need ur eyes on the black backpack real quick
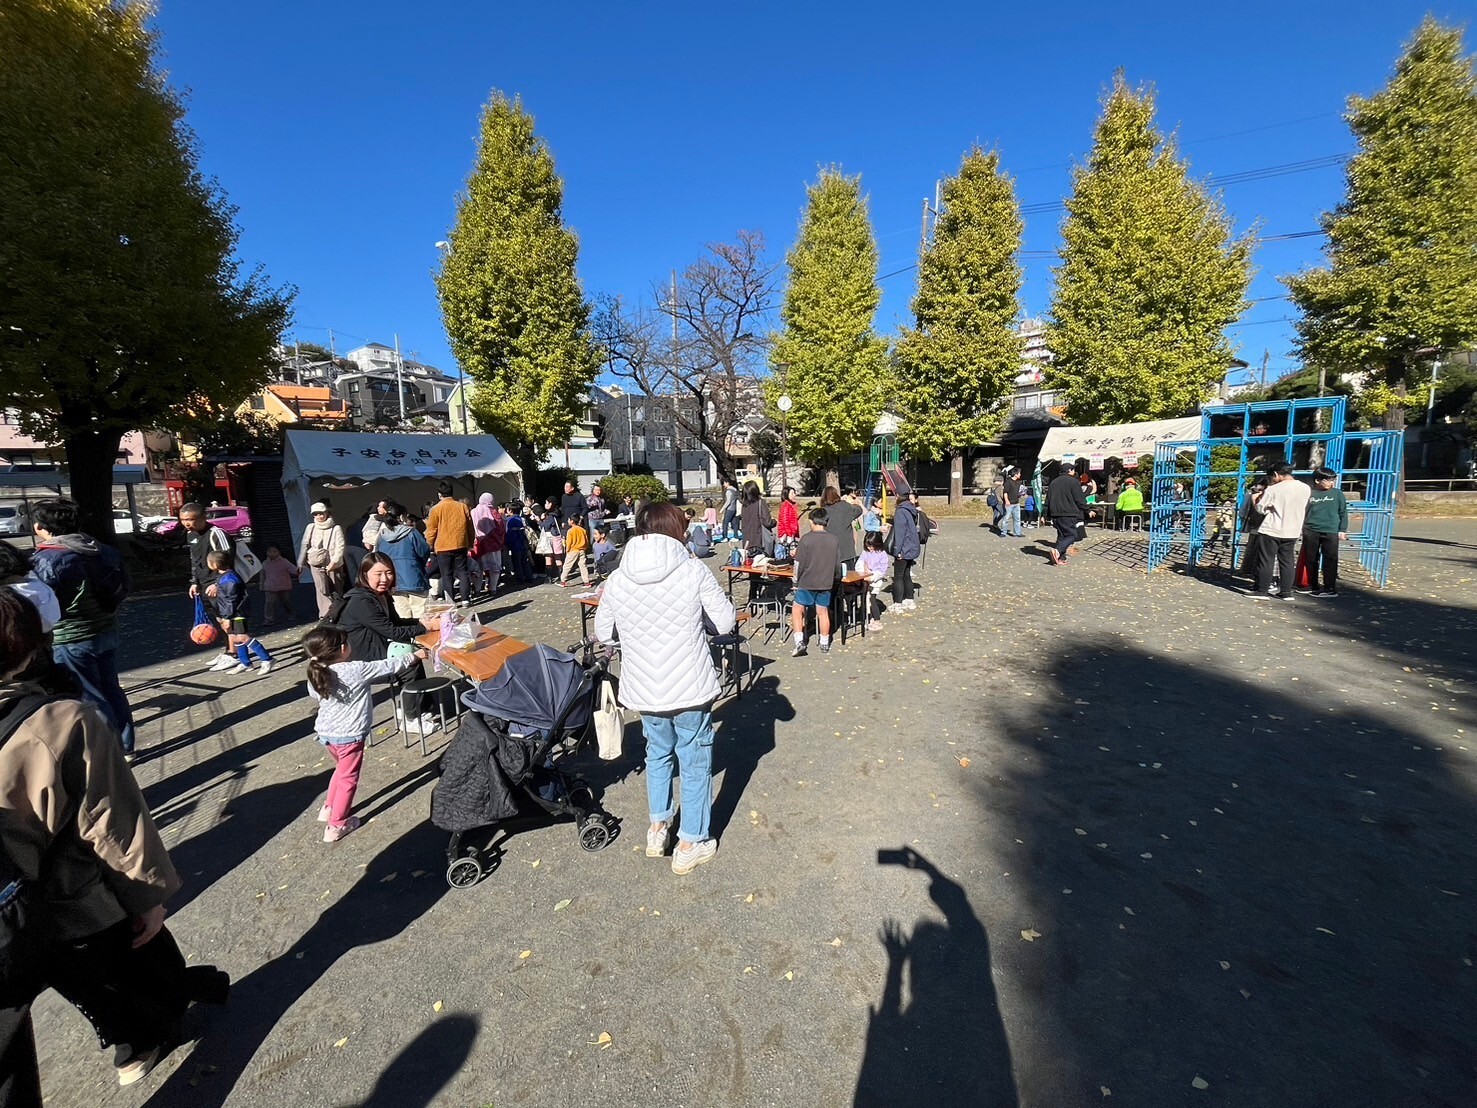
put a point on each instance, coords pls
(23, 930)
(109, 578)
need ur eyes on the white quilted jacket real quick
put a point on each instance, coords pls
(655, 602)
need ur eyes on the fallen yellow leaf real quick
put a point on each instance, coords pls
(525, 954)
(1105, 1090)
(749, 899)
(836, 941)
(563, 904)
(789, 975)
(1199, 1083)
(603, 1041)
(436, 1007)
(342, 1042)
(1030, 934)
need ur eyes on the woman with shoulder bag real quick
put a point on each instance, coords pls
(323, 550)
(655, 602)
(76, 829)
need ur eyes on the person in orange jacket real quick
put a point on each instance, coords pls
(576, 547)
(450, 535)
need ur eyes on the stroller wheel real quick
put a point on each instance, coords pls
(581, 795)
(463, 873)
(594, 835)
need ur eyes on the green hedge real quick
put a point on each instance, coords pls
(618, 485)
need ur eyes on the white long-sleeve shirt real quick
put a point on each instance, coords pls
(1285, 504)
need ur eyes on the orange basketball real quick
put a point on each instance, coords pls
(203, 634)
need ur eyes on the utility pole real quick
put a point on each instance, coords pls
(399, 379)
(297, 361)
(928, 209)
(676, 425)
(1266, 357)
(1430, 411)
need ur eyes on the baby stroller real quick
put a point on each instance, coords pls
(502, 768)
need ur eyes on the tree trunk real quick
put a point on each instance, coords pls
(527, 461)
(1395, 419)
(90, 459)
(956, 478)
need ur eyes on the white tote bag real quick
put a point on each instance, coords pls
(610, 723)
(248, 565)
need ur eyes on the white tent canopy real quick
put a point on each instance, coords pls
(356, 470)
(1117, 440)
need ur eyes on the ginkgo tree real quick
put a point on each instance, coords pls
(1150, 276)
(828, 357)
(961, 358)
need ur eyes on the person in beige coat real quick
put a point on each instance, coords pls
(74, 824)
(322, 551)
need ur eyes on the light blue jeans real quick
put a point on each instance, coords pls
(685, 738)
(1010, 522)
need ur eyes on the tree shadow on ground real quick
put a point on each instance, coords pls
(946, 1045)
(374, 910)
(218, 722)
(1236, 882)
(425, 1065)
(745, 734)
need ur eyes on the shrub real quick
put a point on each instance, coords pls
(637, 485)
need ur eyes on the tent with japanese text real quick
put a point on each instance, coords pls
(1117, 440)
(356, 471)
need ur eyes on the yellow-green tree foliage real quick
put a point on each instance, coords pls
(1149, 280)
(122, 304)
(1402, 247)
(512, 304)
(828, 357)
(964, 354)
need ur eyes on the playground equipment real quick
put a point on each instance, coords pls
(1238, 442)
(885, 471)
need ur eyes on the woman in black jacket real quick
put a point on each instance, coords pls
(368, 615)
(754, 519)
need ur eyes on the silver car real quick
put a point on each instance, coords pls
(13, 520)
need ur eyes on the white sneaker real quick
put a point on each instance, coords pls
(222, 662)
(238, 668)
(265, 668)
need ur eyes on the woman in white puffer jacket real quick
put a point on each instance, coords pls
(654, 602)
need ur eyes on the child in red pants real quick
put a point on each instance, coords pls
(345, 716)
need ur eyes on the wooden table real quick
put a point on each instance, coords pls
(483, 661)
(787, 573)
(587, 605)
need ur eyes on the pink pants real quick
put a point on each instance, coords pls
(349, 756)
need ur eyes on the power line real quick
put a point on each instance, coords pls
(1239, 178)
(1039, 254)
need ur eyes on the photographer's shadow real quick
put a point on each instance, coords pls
(945, 1044)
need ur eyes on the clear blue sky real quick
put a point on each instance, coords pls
(343, 131)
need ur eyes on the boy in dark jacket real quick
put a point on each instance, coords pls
(815, 572)
(230, 607)
(1324, 527)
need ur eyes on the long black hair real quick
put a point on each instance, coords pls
(323, 645)
(751, 492)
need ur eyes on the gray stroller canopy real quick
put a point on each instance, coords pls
(532, 689)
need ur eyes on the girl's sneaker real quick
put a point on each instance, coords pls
(874, 625)
(332, 834)
(323, 814)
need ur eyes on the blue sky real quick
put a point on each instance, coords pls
(342, 131)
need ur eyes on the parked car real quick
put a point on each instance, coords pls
(234, 520)
(13, 520)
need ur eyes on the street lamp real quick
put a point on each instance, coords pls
(461, 378)
(784, 404)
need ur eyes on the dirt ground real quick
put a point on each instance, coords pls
(1060, 836)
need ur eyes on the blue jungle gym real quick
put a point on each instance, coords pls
(1237, 443)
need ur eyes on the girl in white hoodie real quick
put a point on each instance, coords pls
(655, 601)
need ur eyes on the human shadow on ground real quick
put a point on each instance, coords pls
(234, 756)
(375, 909)
(745, 734)
(425, 1065)
(1236, 881)
(246, 824)
(945, 1044)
